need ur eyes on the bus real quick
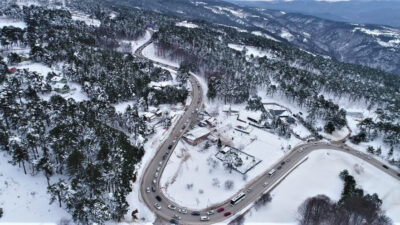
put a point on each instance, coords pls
(271, 172)
(238, 198)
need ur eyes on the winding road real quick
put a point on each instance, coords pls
(150, 187)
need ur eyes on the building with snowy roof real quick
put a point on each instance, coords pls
(196, 135)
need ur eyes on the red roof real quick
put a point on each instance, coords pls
(12, 70)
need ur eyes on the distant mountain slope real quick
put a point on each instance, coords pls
(369, 45)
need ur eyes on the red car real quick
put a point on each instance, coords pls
(227, 214)
(220, 209)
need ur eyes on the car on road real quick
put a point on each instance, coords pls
(204, 218)
(157, 206)
(156, 174)
(384, 166)
(300, 150)
(227, 214)
(220, 210)
(283, 163)
(153, 189)
(171, 207)
(211, 212)
(170, 146)
(165, 157)
(398, 174)
(249, 190)
(148, 189)
(177, 217)
(158, 169)
(174, 221)
(279, 167)
(158, 198)
(369, 157)
(195, 213)
(183, 210)
(160, 163)
(154, 181)
(265, 184)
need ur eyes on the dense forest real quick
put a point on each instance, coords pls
(88, 144)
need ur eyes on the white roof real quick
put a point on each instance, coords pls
(197, 133)
(243, 115)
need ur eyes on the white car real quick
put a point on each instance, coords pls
(148, 189)
(177, 217)
(158, 206)
(154, 181)
(171, 207)
(204, 218)
(156, 175)
(183, 210)
(211, 212)
(265, 184)
(158, 169)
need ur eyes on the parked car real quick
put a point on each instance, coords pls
(148, 189)
(158, 169)
(170, 146)
(204, 218)
(279, 167)
(227, 214)
(283, 163)
(265, 184)
(158, 198)
(154, 181)
(398, 174)
(171, 207)
(183, 210)
(220, 209)
(153, 189)
(174, 221)
(156, 174)
(177, 217)
(384, 166)
(211, 212)
(157, 206)
(195, 213)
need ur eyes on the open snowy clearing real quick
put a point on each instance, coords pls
(186, 24)
(11, 22)
(86, 19)
(320, 175)
(252, 51)
(24, 198)
(151, 53)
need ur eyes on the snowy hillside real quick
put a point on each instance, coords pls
(320, 175)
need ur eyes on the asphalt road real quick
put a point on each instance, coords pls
(253, 190)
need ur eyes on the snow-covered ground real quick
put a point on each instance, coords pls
(186, 24)
(24, 198)
(85, 18)
(250, 50)
(320, 175)
(190, 178)
(151, 53)
(11, 22)
(139, 42)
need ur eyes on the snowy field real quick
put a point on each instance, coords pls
(24, 198)
(320, 175)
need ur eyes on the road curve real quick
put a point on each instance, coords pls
(253, 189)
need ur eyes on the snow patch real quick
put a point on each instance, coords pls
(186, 24)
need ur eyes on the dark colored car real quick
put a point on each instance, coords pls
(384, 166)
(227, 214)
(169, 147)
(174, 221)
(158, 198)
(164, 157)
(279, 167)
(195, 213)
(153, 189)
(398, 174)
(283, 163)
(220, 209)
